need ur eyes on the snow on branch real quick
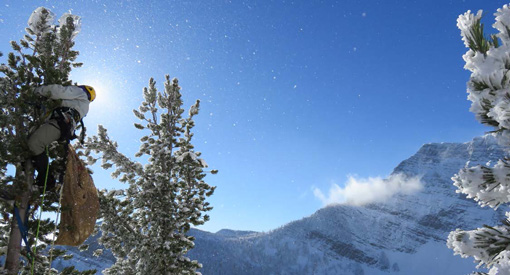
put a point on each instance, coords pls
(75, 19)
(488, 60)
(487, 245)
(465, 22)
(489, 63)
(111, 156)
(503, 24)
(489, 186)
(41, 21)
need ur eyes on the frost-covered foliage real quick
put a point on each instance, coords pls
(487, 245)
(488, 59)
(145, 225)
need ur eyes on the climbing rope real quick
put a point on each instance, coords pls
(40, 212)
(23, 226)
(56, 226)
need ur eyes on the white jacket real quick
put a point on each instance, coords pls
(71, 96)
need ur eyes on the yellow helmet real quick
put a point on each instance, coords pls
(91, 93)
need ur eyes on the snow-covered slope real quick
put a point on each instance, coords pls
(405, 235)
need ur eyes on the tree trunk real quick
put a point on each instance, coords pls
(14, 246)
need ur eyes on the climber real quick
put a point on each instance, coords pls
(60, 125)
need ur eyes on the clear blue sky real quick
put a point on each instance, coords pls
(295, 94)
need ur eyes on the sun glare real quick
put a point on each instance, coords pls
(108, 98)
(102, 91)
(107, 101)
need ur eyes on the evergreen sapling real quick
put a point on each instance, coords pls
(145, 226)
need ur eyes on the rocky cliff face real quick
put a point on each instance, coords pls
(404, 235)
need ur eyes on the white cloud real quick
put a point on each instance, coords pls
(359, 191)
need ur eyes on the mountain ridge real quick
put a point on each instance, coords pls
(405, 223)
(403, 235)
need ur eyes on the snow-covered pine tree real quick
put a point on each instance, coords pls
(488, 59)
(43, 56)
(146, 225)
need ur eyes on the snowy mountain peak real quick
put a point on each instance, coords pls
(404, 235)
(449, 158)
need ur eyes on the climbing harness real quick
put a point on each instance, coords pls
(63, 116)
(66, 112)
